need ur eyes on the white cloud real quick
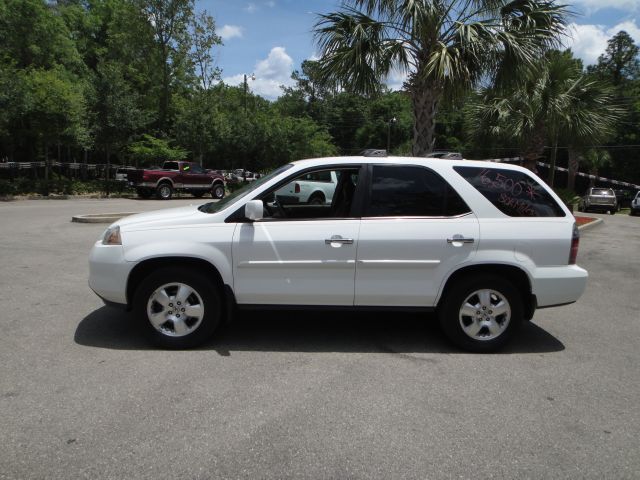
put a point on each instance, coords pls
(251, 8)
(270, 73)
(592, 6)
(227, 32)
(588, 42)
(396, 79)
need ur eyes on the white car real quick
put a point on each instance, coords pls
(482, 244)
(635, 205)
(315, 188)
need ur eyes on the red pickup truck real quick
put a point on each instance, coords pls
(185, 176)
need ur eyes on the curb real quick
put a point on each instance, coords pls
(589, 225)
(100, 217)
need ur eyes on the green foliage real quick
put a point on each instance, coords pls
(114, 80)
(556, 101)
(448, 47)
(59, 186)
(151, 150)
(569, 197)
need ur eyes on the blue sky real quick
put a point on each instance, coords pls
(270, 38)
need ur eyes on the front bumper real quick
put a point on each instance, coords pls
(108, 272)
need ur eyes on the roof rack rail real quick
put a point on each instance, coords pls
(373, 152)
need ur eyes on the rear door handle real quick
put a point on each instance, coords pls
(338, 239)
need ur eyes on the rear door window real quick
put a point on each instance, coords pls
(512, 192)
(411, 191)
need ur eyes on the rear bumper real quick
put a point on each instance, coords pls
(554, 286)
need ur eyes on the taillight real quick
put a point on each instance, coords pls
(296, 188)
(575, 242)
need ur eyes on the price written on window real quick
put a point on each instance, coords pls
(517, 195)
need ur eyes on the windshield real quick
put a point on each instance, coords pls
(214, 207)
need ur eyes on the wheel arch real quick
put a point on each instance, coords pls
(164, 180)
(145, 267)
(514, 274)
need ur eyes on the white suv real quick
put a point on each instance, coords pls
(482, 244)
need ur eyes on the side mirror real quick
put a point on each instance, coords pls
(253, 210)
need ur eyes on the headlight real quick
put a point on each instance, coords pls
(112, 236)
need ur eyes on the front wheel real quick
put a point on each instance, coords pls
(180, 308)
(217, 191)
(481, 312)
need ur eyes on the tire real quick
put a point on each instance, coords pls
(197, 194)
(483, 332)
(160, 293)
(217, 191)
(164, 191)
(316, 199)
(612, 211)
(143, 192)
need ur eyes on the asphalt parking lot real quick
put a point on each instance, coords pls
(291, 395)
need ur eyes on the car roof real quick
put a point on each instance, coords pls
(428, 162)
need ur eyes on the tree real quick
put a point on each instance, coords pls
(170, 20)
(55, 109)
(447, 47)
(620, 66)
(118, 114)
(619, 63)
(204, 38)
(555, 101)
(198, 123)
(595, 160)
(151, 150)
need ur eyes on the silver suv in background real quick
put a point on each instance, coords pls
(599, 199)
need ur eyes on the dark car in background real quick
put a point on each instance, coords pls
(624, 197)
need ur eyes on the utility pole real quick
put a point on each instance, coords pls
(389, 122)
(246, 87)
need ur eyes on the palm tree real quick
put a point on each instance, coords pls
(447, 47)
(556, 101)
(595, 160)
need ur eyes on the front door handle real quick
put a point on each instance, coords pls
(459, 239)
(338, 239)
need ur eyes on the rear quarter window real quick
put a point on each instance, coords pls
(512, 192)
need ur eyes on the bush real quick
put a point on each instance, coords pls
(7, 188)
(60, 186)
(569, 197)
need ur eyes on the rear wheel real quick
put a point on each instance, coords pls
(164, 191)
(316, 199)
(180, 308)
(481, 312)
(217, 191)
